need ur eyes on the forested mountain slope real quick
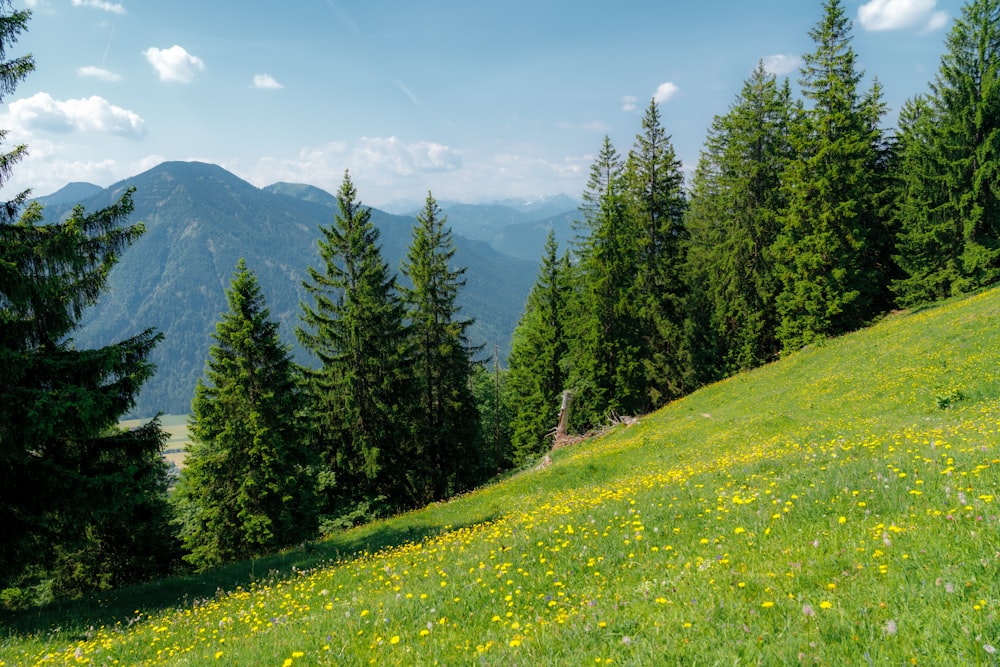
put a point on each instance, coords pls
(200, 220)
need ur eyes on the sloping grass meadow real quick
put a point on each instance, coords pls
(837, 507)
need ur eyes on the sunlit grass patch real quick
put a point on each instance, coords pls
(825, 509)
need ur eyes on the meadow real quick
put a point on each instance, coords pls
(836, 507)
(176, 428)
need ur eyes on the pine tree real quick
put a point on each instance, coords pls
(950, 144)
(536, 378)
(605, 365)
(828, 267)
(496, 414)
(363, 394)
(447, 416)
(654, 184)
(74, 488)
(929, 245)
(736, 205)
(247, 487)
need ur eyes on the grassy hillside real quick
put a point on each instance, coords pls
(837, 507)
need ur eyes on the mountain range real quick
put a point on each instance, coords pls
(201, 219)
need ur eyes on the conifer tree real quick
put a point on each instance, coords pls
(950, 145)
(247, 487)
(496, 414)
(828, 266)
(363, 393)
(447, 417)
(74, 487)
(929, 245)
(736, 205)
(536, 378)
(605, 364)
(655, 191)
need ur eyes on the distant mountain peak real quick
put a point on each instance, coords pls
(71, 193)
(301, 191)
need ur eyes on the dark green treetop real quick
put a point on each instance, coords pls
(447, 417)
(247, 487)
(363, 393)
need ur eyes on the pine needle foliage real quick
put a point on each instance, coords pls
(248, 486)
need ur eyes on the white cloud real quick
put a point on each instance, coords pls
(404, 159)
(406, 91)
(113, 7)
(901, 15)
(781, 64)
(665, 92)
(937, 21)
(91, 114)
(266, 82)
(377, 159)
(628, 103)
(98, 73)
(387, 170)
(49, 165)
(174, 64)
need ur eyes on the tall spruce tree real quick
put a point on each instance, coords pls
(736, 206)
(654, 184)
(496, 414)
(447, 417)
(248, 485)
(950, 145)
(606, 369)
(75, 489)
(536, 378)
(828, 268)
(929, 244)
(363, 393)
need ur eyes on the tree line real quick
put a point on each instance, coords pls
(804, 219)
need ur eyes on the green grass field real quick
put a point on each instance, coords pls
(176, 428)
(837, 507)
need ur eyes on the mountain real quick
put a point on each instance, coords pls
(515, 227)
(519, 233)
(545, 207)
(303, 192)
(70, 194)
(200, 219)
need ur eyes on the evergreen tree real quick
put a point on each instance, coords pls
(734, 217)
(75, 490)
(496, 414)
(929, 246)
(536, 378)
(655, 191)
(247, 487)
(950, 144)
(606, 366)
(363, 393)
(447, 416)
(828, 263)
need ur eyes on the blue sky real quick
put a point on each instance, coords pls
(474, 100)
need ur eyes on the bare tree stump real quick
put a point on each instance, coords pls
(563, 415)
